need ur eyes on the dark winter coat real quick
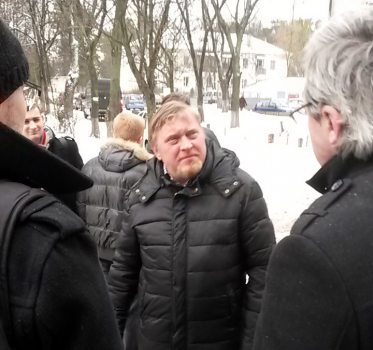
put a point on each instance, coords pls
(58, 300)
(319, 291)
(67, 149)
(118, 167)
(185, 252)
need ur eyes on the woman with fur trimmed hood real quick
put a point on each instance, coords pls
(119, 165)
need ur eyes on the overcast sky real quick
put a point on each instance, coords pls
(282, 9)
(268, 10)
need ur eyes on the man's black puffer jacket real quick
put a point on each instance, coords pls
(186, 250)
(119, 165)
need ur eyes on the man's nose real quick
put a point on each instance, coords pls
(32, 124)
(185, 143)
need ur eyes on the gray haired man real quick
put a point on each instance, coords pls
(319, 289)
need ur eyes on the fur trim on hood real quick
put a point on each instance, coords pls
(117, 143)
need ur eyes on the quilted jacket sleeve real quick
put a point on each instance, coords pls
(124, 272)
(257, 240)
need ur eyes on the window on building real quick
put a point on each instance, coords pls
(244, 83)
(260, 66)
(186, 81)
(273, 64)
(245, 63)
(186, 60)
(260, 63)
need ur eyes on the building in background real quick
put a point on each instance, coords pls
(338, 6)
(259, 61)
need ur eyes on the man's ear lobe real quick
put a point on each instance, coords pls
(334, 122)
(155, 152)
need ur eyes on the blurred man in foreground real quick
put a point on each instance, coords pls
(52, 292)
(319, 289)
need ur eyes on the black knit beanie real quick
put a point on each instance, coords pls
(14, 69)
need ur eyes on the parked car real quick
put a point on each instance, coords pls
(272, 107)
(210, 97)
(134, 103)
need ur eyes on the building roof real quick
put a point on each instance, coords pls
(251, 44)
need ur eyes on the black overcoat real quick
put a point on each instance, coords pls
(319, 289)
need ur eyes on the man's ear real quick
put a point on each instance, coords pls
(155, 151)
(334, 123)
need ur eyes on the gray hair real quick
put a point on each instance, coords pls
(339, 72)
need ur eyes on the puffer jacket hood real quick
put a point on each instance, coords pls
(112, 158)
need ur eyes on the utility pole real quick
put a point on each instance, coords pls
(330, 8)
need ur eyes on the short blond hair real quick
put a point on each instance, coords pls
(128, 126)
(167, 112)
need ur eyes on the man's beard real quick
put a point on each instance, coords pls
(188, 171)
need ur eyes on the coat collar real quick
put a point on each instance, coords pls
(21, 160)
(219, 170)
(119, 144)
(335, 170)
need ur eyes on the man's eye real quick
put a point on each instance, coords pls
(193, 135)
(173, 141)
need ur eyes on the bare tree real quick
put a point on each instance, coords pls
(45, 29)
(116, 39)
(223, 63)
(143, 27)
(168, 65)
(240, 24)
(89, 17)
(198, 53)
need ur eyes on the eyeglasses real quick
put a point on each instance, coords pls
(299, 109)
(34, 87)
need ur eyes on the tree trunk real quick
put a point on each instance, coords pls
(200, 100)
(115, 106)
(236, 79)
(225, 96)
(95, 131)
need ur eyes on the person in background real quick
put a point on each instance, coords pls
(319, 289)
(210, 135)
(196, 225)
(242, 102)
(64, 147)
(119, 165)
(57, 294)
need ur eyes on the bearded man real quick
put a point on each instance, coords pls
(196, 226)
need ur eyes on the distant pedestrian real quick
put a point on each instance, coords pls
(242, 102)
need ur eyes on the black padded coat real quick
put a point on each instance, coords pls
(118, 166)
(185, 251)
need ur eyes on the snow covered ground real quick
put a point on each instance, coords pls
(281, 167)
